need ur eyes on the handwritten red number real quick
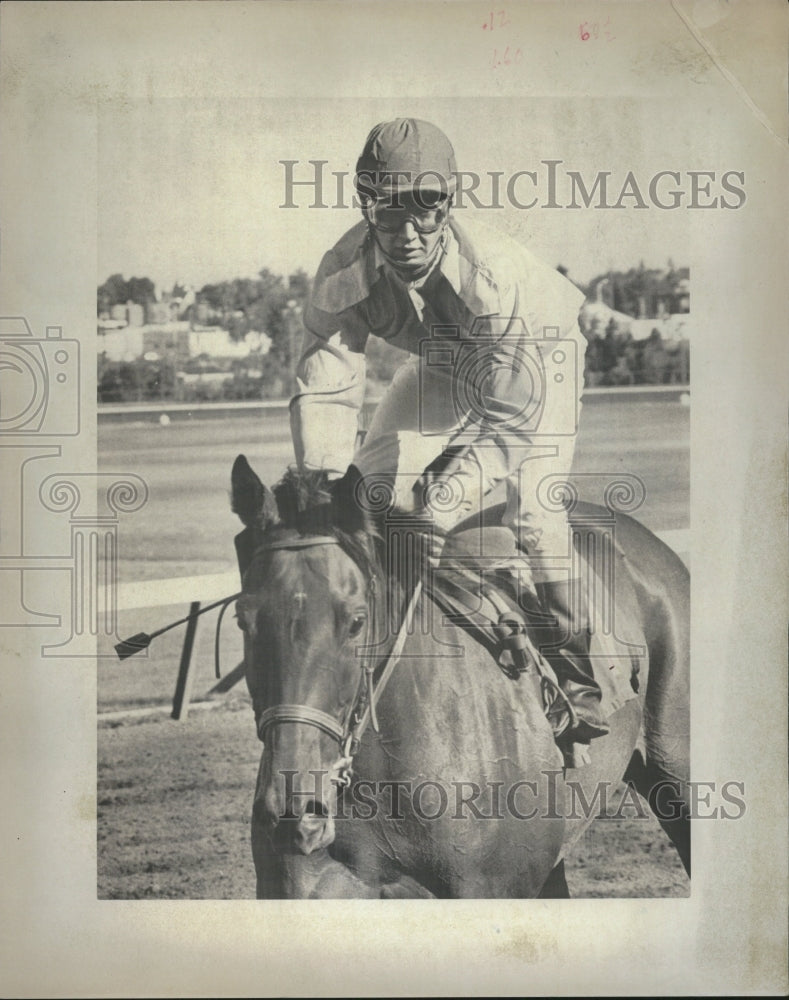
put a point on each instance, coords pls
(507, 58)
(490, 22)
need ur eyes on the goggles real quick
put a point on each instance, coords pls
(427, 210)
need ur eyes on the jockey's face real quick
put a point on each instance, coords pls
(409, 233)
(409, 248)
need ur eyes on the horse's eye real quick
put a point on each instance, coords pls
(357, 624)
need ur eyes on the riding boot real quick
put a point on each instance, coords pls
(565, 642)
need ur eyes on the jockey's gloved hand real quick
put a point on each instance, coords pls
(430, 539)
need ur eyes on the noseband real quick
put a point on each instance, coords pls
(362, 711)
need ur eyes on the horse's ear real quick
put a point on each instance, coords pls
(253, 503)
(348, 512)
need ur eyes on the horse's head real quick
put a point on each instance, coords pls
(305, 613)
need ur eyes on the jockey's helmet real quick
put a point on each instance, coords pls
(405, 155)
(406, 173)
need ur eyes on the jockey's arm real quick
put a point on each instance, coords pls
(324, 412)
(484, 450)
(330, 384)
(490, 445)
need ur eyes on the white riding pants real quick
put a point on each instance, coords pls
(417, 418)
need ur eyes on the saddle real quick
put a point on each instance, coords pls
(483, 586)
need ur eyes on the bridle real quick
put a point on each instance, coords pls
(363, 708)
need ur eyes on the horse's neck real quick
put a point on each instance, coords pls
(448, 696)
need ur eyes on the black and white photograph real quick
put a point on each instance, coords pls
(427, 538)
(410, 523)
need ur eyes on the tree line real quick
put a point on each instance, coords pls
(273, 304)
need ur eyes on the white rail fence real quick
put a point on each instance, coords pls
(154, 408)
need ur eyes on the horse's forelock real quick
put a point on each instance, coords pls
(304, 500)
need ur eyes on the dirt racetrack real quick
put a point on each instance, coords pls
(174, 801)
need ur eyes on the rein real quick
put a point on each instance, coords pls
(363, 710)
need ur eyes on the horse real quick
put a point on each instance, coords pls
(463, 791)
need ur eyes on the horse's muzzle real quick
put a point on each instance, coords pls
(297, 819)
(308, 832)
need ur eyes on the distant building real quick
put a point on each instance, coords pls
(159, 312)
(175, 341)
(201, 312)
(671, 327)
(216, 343)
(595, 318)
(176, 329)
(167, 340)
(119, 344)
(135, 313)
(643, 293)
(128, 314)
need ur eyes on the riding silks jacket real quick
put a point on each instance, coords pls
(486, 293)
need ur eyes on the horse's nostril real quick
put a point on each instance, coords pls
(316, 808)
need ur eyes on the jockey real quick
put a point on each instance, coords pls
(490, 392)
